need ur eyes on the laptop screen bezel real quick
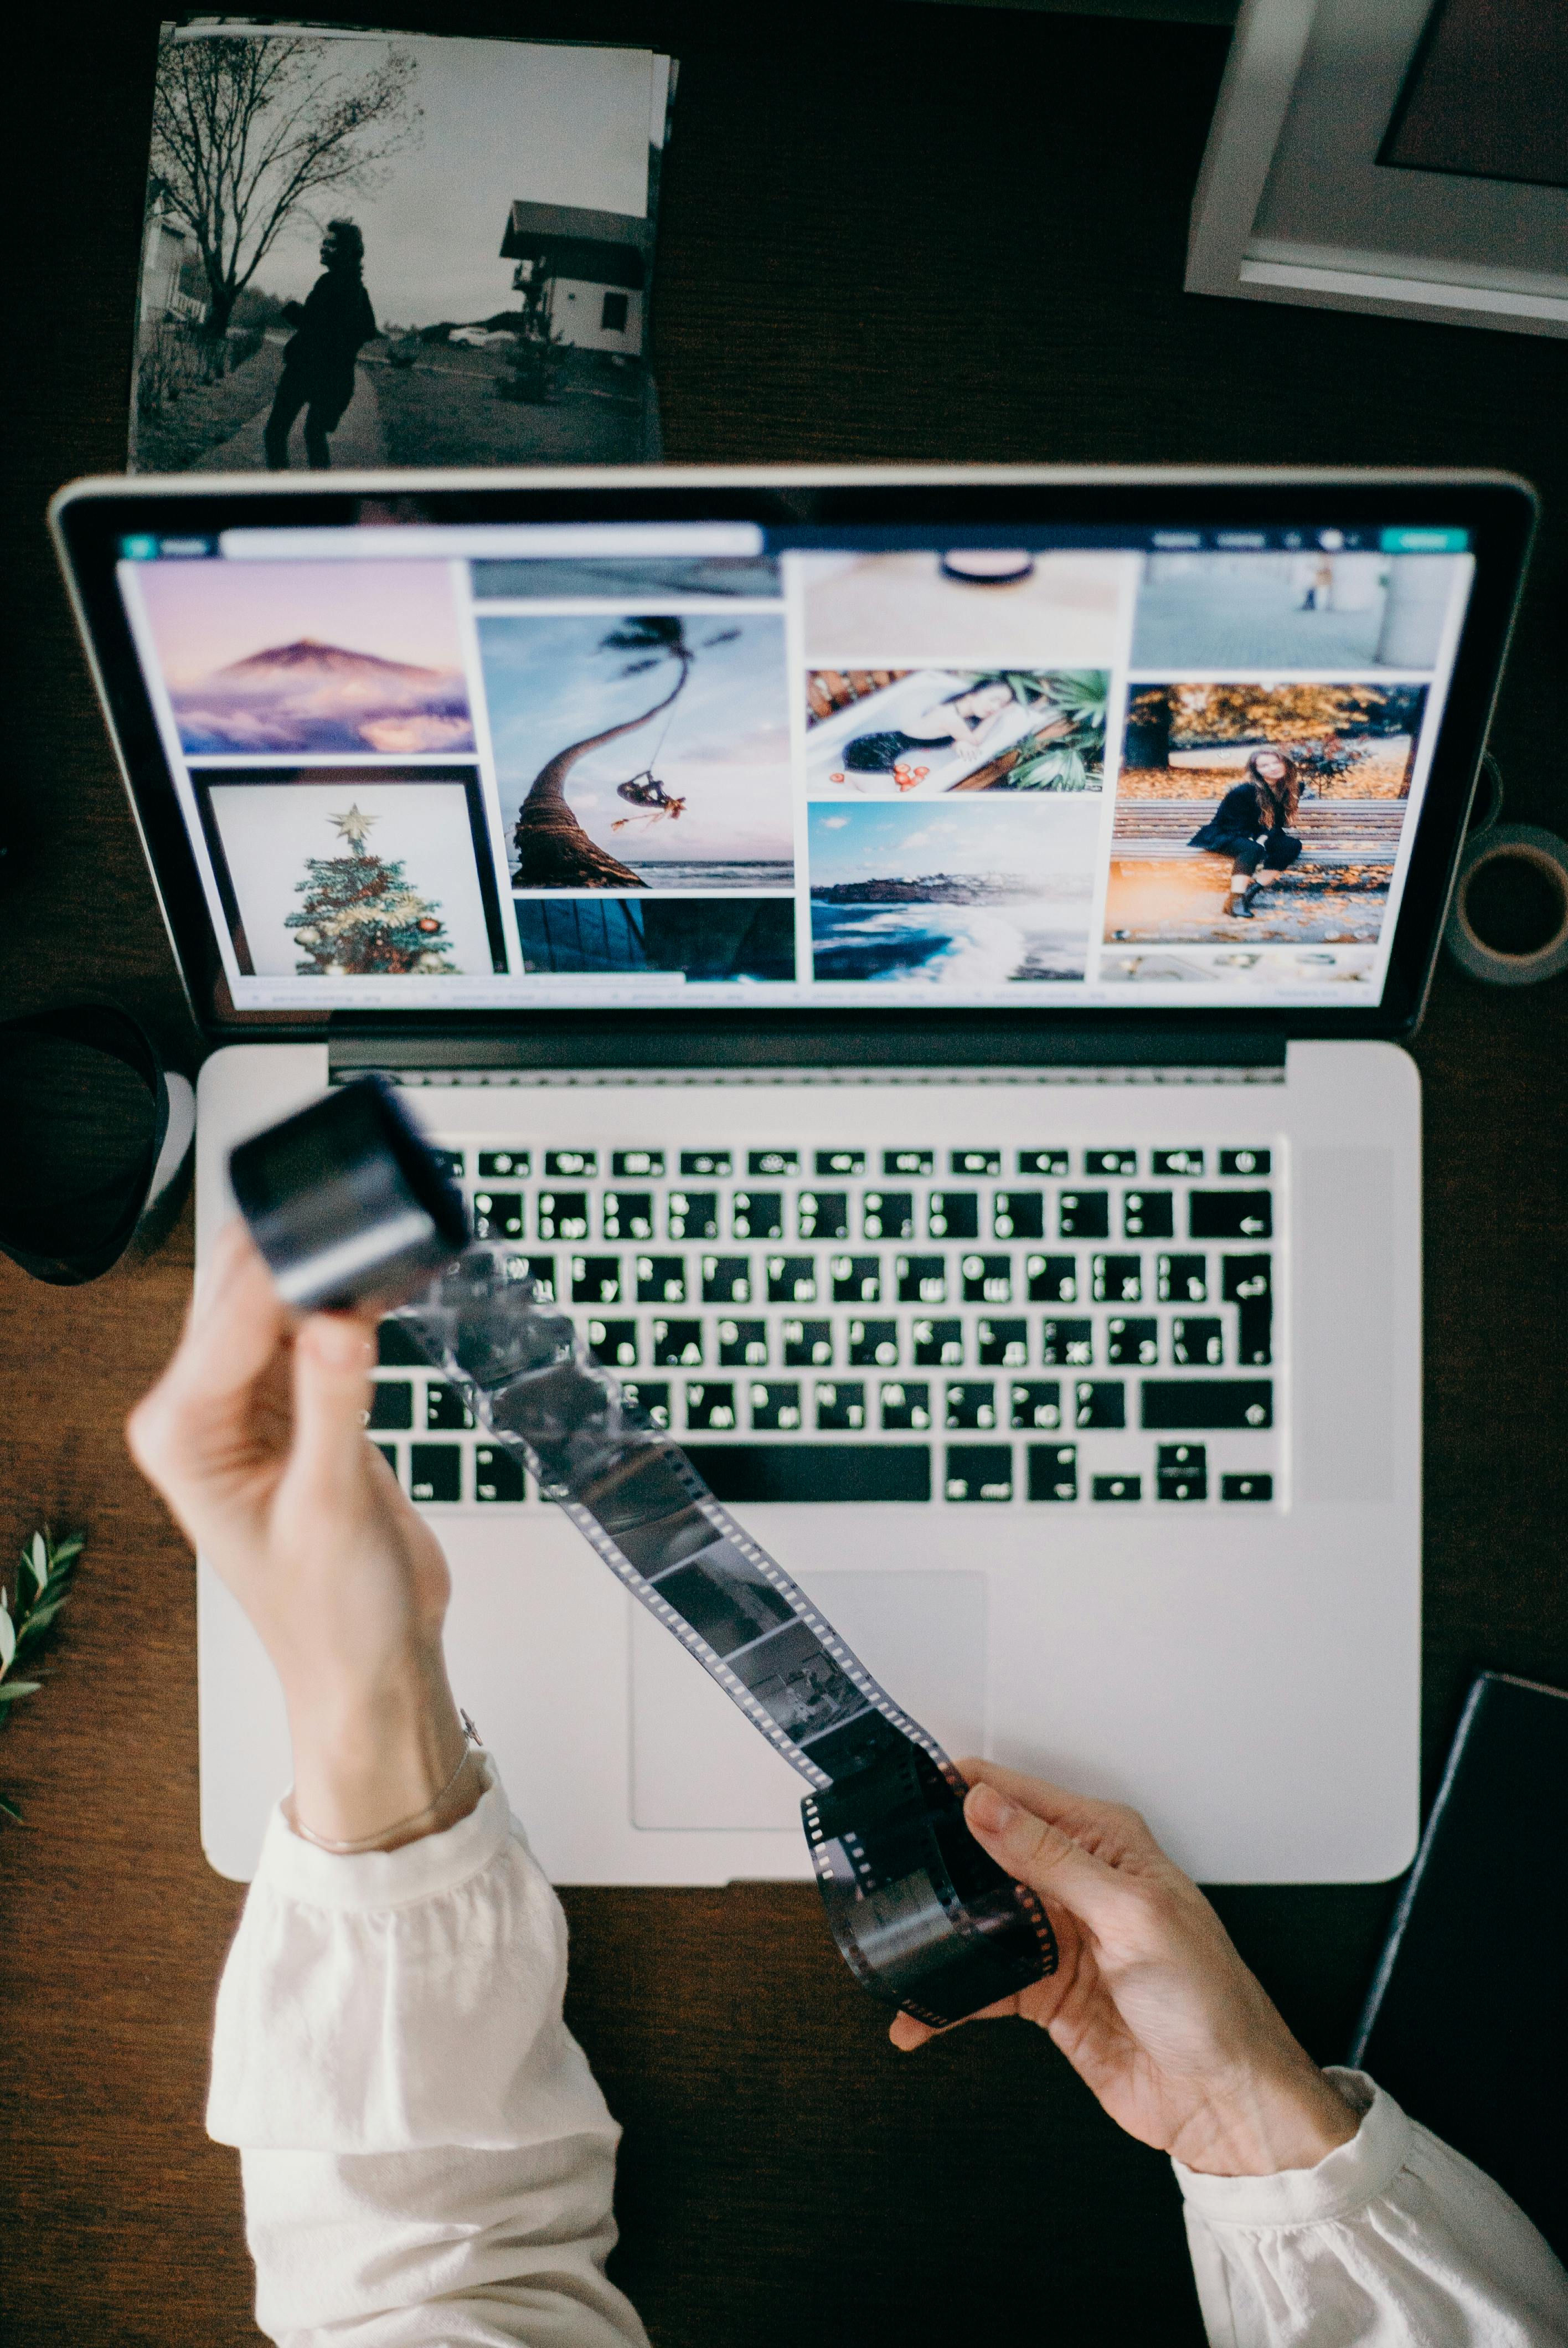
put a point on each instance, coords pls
(90, 518)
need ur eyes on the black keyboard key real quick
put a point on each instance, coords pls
(873, 1344)
(498, 1215)
(757, 1215)
(614, 1343)
(1246, 1282)
(1148, 1215)
(1052, 1471)
(743, 1345)
(1245, 1162)
(1246, 1487)
(561, 1165)
(908, 1161)
(1184, 1279)
(1198, 1345)
(888, 1215)
(1100, 1402)
(1230, 1214)
(1118, 1280)
(1177, 1161)
(1116, 1487)
(710, 1408)
(391, 1404)
(504, 1165)
(434, 1472)
(1001, 1345)
(979, 1471)
(660, 1279)
(446, 1412)
(652, 1397)
(1181, 1472)
(1255, 1335)
(791, 1278)
(971, 1406)
(596, 1280)
(628, 1215)
(1132, 1344)
(1203, 1404)
(922, 1278)
(451, 1162)
(937, 1345)
(905, 1407)
(954, 1215)
(1019, 1214)
(677, 1345)
(636, 1165)
(1110, 1162)
(1036, 1404)
(497, 1476)
(726, 1280)
(1067, 1345)
(807, 1344)
(839, 1161)
(775, 1409)
(761, 1163)
(823, 1215)
(539, 1269)
(1042, 1162)
(1243, 1279)
(840, 1408)
(562, 1215)
(856, 1279)
(696, 1163)
(987, 1279)
(1052, 1279)
(743, 1474)
(975, 1162)
(693, 1215)
(1085, 1215)
(396, 1348)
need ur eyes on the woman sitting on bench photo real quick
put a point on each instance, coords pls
(1253, 821)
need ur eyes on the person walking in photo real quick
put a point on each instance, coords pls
(1252, 823)
(318, 374)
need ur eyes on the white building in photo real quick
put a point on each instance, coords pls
(595, 268)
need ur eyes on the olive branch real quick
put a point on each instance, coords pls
(50, 1566)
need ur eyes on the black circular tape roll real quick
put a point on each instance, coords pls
(348, 1207)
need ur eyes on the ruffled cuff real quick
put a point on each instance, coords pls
(1342, 2184)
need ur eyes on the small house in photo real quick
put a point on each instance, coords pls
(592, 267)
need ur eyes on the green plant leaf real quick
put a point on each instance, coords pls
(37, 1621)
(7, 1638)
(12, 1690)
(8, 1809)
(36, 1555)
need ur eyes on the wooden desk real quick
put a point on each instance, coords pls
(894, 231)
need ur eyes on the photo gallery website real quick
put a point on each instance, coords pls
(635, 764)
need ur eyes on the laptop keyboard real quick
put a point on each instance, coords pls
(1069, 1327)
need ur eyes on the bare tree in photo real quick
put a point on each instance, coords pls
(244, 130)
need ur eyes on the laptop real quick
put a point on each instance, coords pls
(920, 963)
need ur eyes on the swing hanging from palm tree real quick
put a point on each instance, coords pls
(644, 790)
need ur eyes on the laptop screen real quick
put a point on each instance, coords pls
(658, 764)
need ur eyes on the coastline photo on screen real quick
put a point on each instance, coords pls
(1307, 782)
(698, 939)
(923, 733)
(979, 894)
(975, 605)
(1320, 607)
(274, 659)
(641, 750)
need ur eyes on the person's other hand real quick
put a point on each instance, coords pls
(255, 1436)
(1151, 2004)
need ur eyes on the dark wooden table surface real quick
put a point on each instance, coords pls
(902, 232)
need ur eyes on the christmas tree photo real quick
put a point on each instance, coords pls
(361, 918)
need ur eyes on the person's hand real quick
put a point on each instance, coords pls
(1151, 2004)
(255, 1436)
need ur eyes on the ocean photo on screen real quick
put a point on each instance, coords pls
(974, 896)
(269, 658)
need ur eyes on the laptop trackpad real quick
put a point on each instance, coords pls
(696, 1761)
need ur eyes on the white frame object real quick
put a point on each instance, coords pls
(1292, 204)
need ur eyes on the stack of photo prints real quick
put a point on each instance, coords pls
(367, 249)
(818, 775)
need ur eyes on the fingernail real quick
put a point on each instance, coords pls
(986, 1809)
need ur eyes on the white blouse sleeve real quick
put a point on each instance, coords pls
(1393, 2239)
(427, 2156)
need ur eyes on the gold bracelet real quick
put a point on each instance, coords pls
(374, 1841)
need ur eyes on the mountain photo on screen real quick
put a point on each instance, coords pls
(644, 751)
(273, 658)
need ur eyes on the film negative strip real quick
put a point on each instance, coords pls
(349, 1206)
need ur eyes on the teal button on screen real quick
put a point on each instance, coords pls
(1426, 542)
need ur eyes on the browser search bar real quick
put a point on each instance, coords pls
(489, 541)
